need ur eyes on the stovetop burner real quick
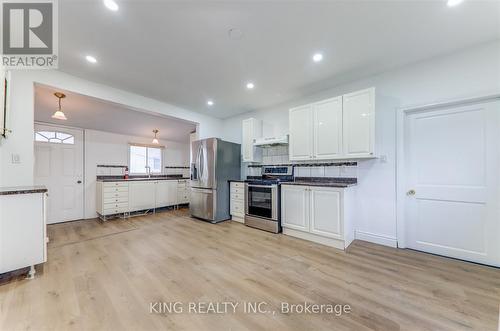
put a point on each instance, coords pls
(272, 175)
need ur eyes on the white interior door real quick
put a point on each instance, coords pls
(452, 182)
(59, 166)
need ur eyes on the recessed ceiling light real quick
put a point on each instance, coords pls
(250, 85)
(317, 57)
(210, 103)
(91, 59)
(111, 5)
(453, 3)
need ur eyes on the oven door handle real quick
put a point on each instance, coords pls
(264, 186)
(245, 196)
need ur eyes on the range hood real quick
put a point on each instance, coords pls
(271, 141)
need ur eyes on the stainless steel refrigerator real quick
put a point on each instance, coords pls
(213, 163)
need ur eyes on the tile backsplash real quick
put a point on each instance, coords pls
(279, 155)
(341, 170)
(275, 155)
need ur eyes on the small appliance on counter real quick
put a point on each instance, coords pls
(213, 163)
(262, 198)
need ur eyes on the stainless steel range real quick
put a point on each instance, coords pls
(262, 198)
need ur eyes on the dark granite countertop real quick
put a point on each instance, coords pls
(22, 190)
(324, 181)
(137, 179)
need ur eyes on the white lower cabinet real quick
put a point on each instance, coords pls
(23, 233)
(123, 197)
(295, 207)
(319, 214)
(142, 195)
(166, 193)
(237, 201)
(182, 191)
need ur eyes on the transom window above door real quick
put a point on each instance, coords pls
(54, 137)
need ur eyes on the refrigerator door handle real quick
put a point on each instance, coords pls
(197, 163)
(202, 162)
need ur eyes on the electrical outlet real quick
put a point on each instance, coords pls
(16, 159)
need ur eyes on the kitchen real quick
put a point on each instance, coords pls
(347, 168)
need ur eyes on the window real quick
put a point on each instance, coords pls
(54, 137)
(142, 157)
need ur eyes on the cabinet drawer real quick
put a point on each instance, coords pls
(237, 190)
(183, 199)
(114, 211)
(115, 199)
(115, 194)
(237, 197)
(115, 184)
(237, 185)
(115, 189)
(237, 209)
(115, 205)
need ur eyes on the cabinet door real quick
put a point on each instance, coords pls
(301, 133)
(328, 129)
(359, 123)
(173, 192)
(142, 195)
(251, 129)
(166, 193)
(326, 212)
(295, 207)
(22, 231)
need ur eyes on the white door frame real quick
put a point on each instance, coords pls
(401, 115)
(84, 177)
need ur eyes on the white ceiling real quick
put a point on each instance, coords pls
(179, 51)
(91, 113)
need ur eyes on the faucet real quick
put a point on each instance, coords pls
(148, 170)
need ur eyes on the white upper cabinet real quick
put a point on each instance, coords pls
(251, 130)
(301, 133)
(359, 123)
(328, 129)
(336, 128)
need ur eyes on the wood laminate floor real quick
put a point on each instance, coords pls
(104, 276)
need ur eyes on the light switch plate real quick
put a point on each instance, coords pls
(16, 158)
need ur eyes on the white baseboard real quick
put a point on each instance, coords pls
(377, 238)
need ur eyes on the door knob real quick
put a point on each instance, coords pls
(411, 192)
(79, 182)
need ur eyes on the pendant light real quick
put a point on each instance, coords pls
(155, 139)
(59, 115)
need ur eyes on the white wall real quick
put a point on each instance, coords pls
(21, 117)
(112, 149)
(460, 75)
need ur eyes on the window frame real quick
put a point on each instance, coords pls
(161, 148)
(69, 140)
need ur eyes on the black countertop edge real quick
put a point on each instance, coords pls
(110, 166)
(237, 180)
(22, 190)
(326, 164)
(136, 179)
(169, 167)
(324, 181)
